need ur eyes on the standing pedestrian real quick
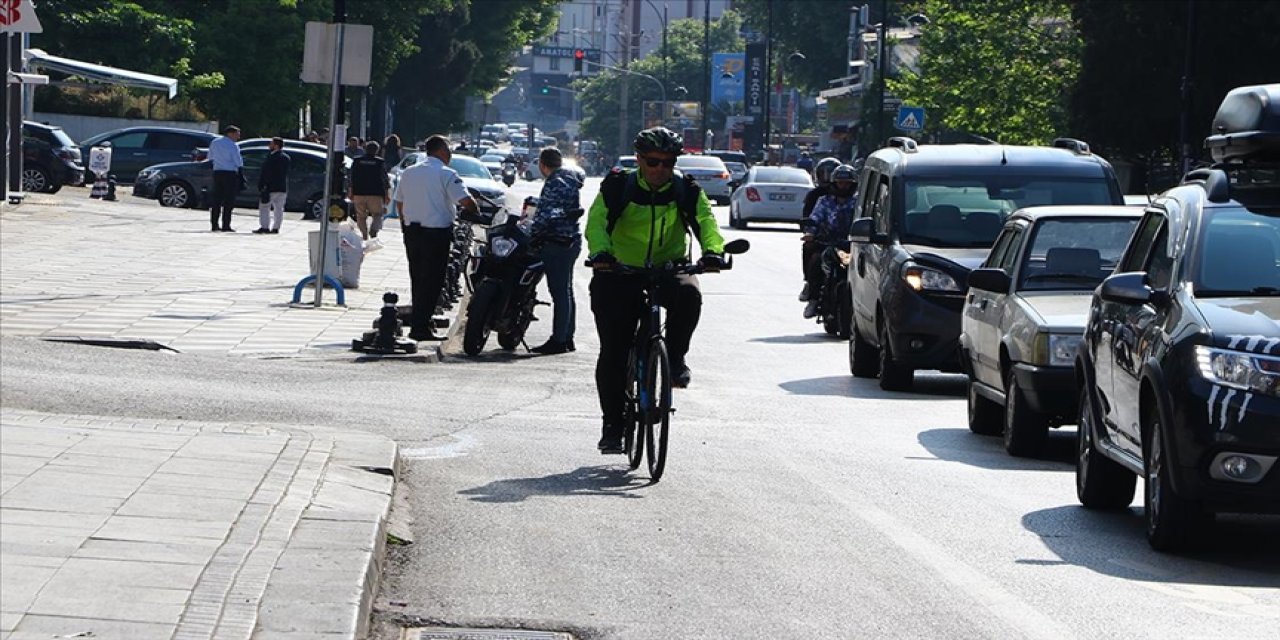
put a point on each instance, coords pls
(391, 150)
(353, 149)
(555, 232)
(369, 190)
(273, 188)
(427, 197)
(228, 176)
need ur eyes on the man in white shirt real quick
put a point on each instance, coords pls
(225, 155)
(427, 198)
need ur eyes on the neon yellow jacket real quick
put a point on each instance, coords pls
(630, 240)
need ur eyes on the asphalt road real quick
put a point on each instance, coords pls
(798, 502)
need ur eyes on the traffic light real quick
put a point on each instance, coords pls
(578, 56)
(544, 89)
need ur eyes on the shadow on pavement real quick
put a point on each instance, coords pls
(774, 227)
(604, 480)
(1240, 550)
(962, 445)
(808, 338)
(926, 387)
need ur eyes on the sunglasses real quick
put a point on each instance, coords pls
(654, 162)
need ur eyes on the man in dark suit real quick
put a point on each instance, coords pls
(273, 188)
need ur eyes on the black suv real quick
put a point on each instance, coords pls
(928, 215)
(50, 159)
(1179, 371)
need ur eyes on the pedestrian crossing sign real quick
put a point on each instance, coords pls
(909, 118)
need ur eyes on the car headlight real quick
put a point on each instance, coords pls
(926, 279)
(1055, 349)
(502, 247)
(1240, 370)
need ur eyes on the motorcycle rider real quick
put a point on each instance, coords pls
(555, 233)
(827, 229)
(641, 217)
(822, 184)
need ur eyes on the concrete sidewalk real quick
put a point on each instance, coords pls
(139, 529)
(73, 266)
(142, 529)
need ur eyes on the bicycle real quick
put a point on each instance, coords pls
(647, 414)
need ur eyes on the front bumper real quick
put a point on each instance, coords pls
(924, 328)
(1210, 423)
(144, 189)
(1049, 390)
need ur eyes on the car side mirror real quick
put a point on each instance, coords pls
(1127, 288)
(861, 230)
(993, 280)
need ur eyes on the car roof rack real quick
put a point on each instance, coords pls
(1247, 125)
(908, 145)
(1217, 185)
(1079, 147)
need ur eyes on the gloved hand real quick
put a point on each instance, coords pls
(603, 261)
(711, 262)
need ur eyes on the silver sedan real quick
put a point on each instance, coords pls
(770, 194)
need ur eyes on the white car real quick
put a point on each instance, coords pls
(626, 163)
(710, 174)
(770, 194)
(474, 174)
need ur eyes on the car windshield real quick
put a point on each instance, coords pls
(1073, 254)
(469, 167)
(61, 137)
(780, 175)
(1238, 254)
(968, 212)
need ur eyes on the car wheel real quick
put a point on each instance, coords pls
(1025, 430)
(1173, 522)
(863, 358)
(984, 415)
(36, 179)
(315, 207)
(893, 375)
(735, 218)
(176, 194)
(1101, 483)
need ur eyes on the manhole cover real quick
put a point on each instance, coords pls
(451, 633)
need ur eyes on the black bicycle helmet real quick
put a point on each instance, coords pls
(659, 139)
(844, 172)
(822, 171)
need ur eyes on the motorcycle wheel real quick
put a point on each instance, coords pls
(479, 310)
(513, 336)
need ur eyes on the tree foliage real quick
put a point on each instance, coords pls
(817, 29)
(1128, 99)
(601, 94)
(1001, 69)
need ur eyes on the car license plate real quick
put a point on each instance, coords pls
(782, 197)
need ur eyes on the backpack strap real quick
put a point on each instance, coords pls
(619, 189)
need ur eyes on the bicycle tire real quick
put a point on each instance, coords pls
(657, 415)
(633, 435)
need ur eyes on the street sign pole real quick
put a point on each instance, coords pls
(328, 166)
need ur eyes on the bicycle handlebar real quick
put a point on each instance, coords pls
(670, 268)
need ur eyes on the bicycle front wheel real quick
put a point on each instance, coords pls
(657, 411)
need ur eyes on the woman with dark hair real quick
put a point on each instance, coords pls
(391, 150)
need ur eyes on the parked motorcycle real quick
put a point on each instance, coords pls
(507, 278)
(835, 307)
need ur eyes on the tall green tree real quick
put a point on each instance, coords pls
(1002, 69)
(1128, 102)
(817, 29)
(601, 94)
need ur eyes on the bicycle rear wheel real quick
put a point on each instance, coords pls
(656, 412)
(633, 435)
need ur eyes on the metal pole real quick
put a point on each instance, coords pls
(706, 67)
(1184, 128)
(8, 126)
(329, 167)
(13, 112)
(882, 71)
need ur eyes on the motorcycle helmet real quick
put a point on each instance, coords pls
(822, 171)
(843, 173)
(659, 139)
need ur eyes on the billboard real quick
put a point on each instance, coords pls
(678, 114)
(756, 90)
(728, 78)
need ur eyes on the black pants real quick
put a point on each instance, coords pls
(819, 260)
(616, 301)
(428, 251)
(809, 253)
(226, 184)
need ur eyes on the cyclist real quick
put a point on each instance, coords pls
(822, 183)
(641, 218)
(825, 230)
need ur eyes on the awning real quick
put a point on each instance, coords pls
(101, 73)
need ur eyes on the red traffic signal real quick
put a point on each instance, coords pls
(578, 56)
